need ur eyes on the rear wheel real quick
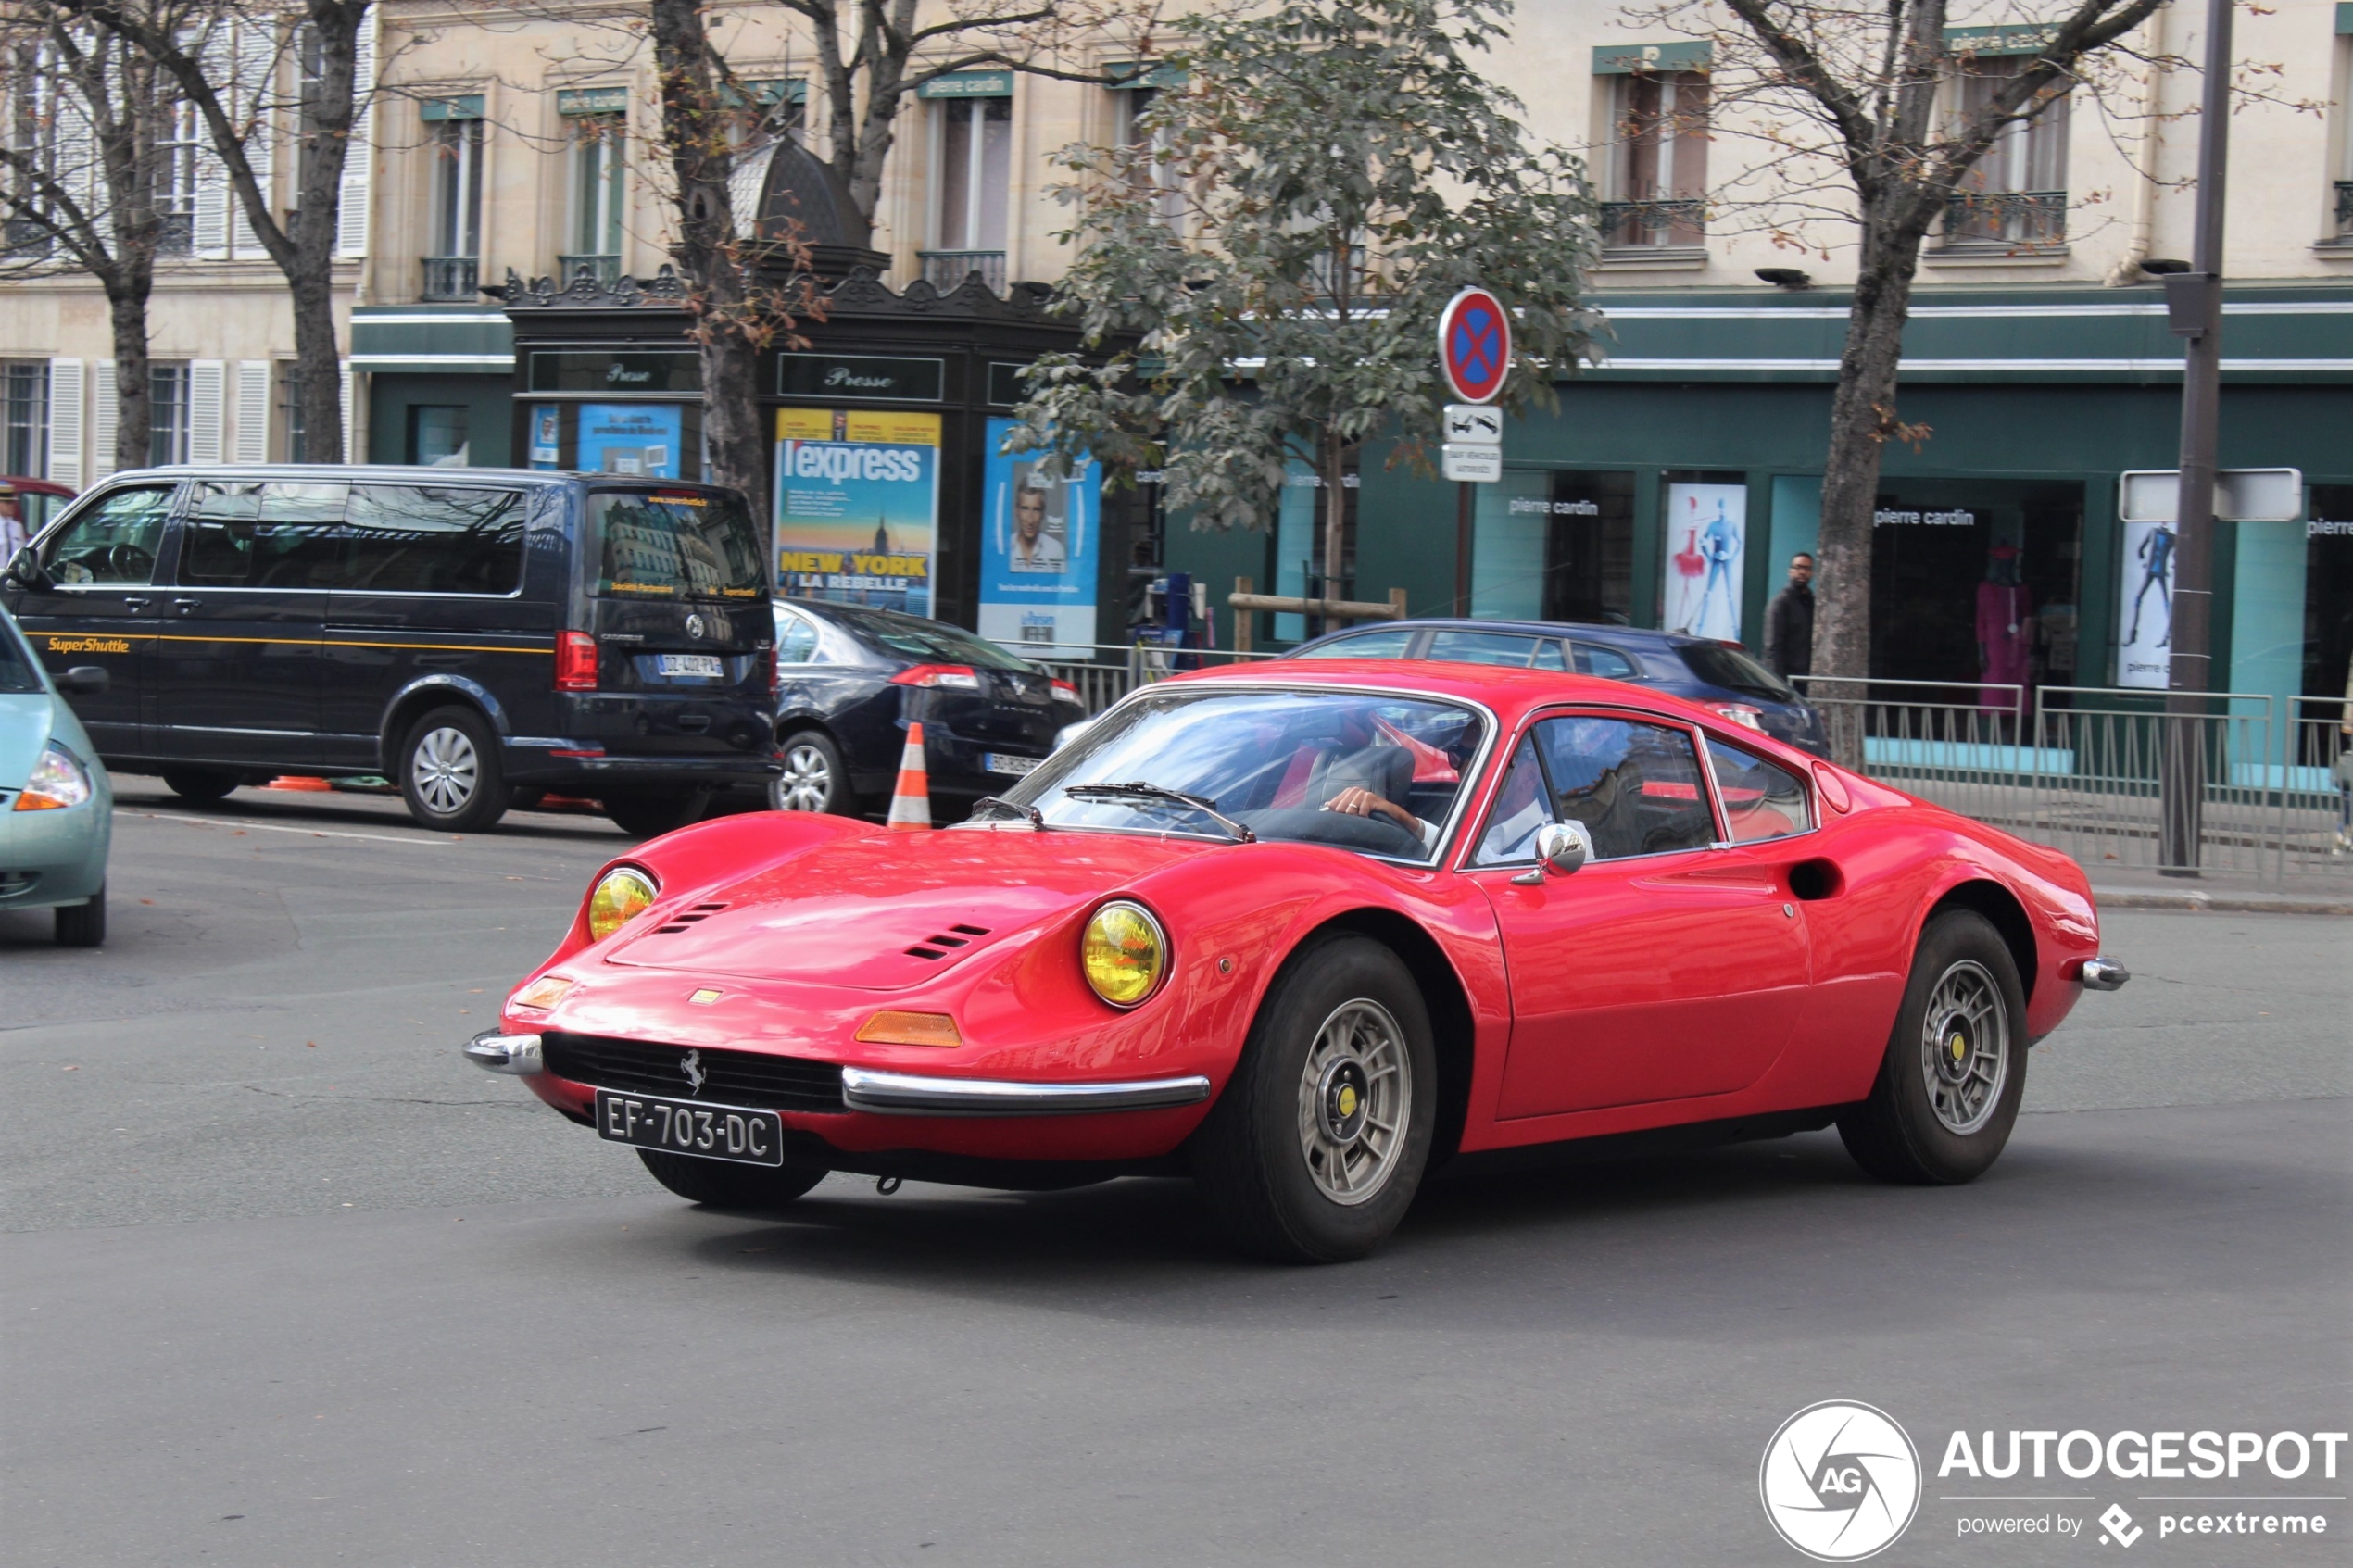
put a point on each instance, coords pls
(816, 778)
(651, 815)
(84, 926)
(1315, 1150)
(201, 786)
(1949, 1087)
(449, 771)
(725, 1186)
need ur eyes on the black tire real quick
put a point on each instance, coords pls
(651, 815)
(816, 776)
(200, 787)
(84, 926)
(725, 1186)
(526, 798)
(1251, 1159)
(1943, 1105)
(450, 774)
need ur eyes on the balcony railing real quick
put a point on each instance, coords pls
(175, 233)
(605, 269)
(2005, 219)
(451, 277)
(2344, 209)
(1651, 225)
(947, 270)
(24, 239)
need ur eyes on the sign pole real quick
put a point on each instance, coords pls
(1474, 360)
(1463, 505)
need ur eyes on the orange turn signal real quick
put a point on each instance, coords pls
(910, 1029)
(542, 993)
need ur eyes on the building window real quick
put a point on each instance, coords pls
(455, 147)
(975, 145)
(290, 413)
(2342, 228)
(437, 435)
(2016, 194)
(26, 389)
(176, 183)
(1129, 108)
(599, 144)
(167, 414)
(1658, 168)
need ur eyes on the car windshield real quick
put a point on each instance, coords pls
(1719, 664)
(676, 544)
(931, 642)
(17, 674)
(1358, 770)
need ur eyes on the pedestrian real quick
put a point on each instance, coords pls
(2344, 770)
(12, 530)
(1789, 622)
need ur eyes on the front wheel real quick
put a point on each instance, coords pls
(449, 771)
(84, 926)
(725, 1186)
(1948, 1090)
(1318, 1145)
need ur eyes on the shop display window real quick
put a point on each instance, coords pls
(1979, 582)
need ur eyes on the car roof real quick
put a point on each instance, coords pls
(1598, 631)
(318, 473)
(27, 485)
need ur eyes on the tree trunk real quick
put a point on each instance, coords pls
(310, 279)
(1335, 520)
(134, 408)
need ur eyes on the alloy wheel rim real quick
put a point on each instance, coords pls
(1355, 1100)
(1965, 1047)
(446, 770)
(807, 782)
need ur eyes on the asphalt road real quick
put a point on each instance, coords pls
(290, 1284)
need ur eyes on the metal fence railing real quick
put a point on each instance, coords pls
(1104, 672)
(2098, 772)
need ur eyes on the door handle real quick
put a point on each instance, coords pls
(135, 601)
(184, 605)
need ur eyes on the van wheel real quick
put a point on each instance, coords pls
(815, 777)
(449, 771)
(199, 786)
(84, 926)
(651, 816)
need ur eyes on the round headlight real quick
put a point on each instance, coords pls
(1124, 952)
(621, 896)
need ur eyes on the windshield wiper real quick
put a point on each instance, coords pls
(1138, 790)
(1037, 818)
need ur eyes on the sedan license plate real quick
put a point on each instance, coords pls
(714, 1131)
(704, 665)
(999, 762)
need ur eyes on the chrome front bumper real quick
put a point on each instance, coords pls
(2103, 974)
(518, 1054)
(908, 1093)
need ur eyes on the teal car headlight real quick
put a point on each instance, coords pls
(58, 781)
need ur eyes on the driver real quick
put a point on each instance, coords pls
(1358, 801)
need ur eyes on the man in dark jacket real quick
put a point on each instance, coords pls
(1789, 622)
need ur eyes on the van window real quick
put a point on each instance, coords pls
(114, 542)
(431, 539)
(244, 534)
(677, 543)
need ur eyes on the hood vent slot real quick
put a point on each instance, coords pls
(680, 922)
(940, 944)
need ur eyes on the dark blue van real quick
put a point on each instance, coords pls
(468, 634)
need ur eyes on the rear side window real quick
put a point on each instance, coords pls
(796, 640)
(1721, 665)
(1389, 643)
(114, 542)
(243, 535)
(431, 539)
(1607, 663)
(1761, 800)
(675, 544)
(1487, 647)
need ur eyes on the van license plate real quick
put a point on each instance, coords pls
(998, 763)
(704, 665)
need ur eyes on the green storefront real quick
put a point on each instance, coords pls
(1717, 404)
(441, 382)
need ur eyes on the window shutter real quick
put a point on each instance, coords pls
(207, 395)
(212, 176)
(253, 410)
(106, 415)
(359, 157)
(257, 63)
(350, 418)
(77, 147)
(65, 422)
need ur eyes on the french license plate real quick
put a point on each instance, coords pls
(999, 762)
(714, 1131)
(700, 664)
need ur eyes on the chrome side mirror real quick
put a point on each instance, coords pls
(1563, 847)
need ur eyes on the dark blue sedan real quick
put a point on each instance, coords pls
(1721, 675)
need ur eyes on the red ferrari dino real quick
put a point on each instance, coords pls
(1303, 932)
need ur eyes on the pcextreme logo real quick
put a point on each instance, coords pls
(1841, 1481)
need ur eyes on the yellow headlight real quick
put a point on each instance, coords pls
(1124, 952)
(622, 894)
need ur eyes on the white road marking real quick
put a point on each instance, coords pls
(276, 827)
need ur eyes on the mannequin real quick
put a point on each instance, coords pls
(2004, 631)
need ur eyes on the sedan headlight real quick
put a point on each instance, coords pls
(621, 896)
(58, 779)
(1124, 952)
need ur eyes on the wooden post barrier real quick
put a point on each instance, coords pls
(1246, 604)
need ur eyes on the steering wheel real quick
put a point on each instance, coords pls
(1377, 836)
(127, 563)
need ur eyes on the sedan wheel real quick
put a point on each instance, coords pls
(815, 777)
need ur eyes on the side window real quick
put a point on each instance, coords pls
(1635, 787)
(1483, 647)
(797, 641)
(247, 535)
(1519, 810)
(1548, 657)
(1762, 800)
(1607, 663)
(431, 539)
(216, 547)
(1389, 643)
(114, 543)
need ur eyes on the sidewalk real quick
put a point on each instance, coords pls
(2117, 887)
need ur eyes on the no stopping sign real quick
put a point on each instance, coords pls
(1475, 345)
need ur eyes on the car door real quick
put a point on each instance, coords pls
(238, 664)
(1672, 965)
(100, 607)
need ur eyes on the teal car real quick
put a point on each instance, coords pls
(57, 803)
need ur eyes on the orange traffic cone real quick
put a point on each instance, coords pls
(910, 802)
(302, 782)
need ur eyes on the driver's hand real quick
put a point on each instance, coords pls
(1358, 801)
